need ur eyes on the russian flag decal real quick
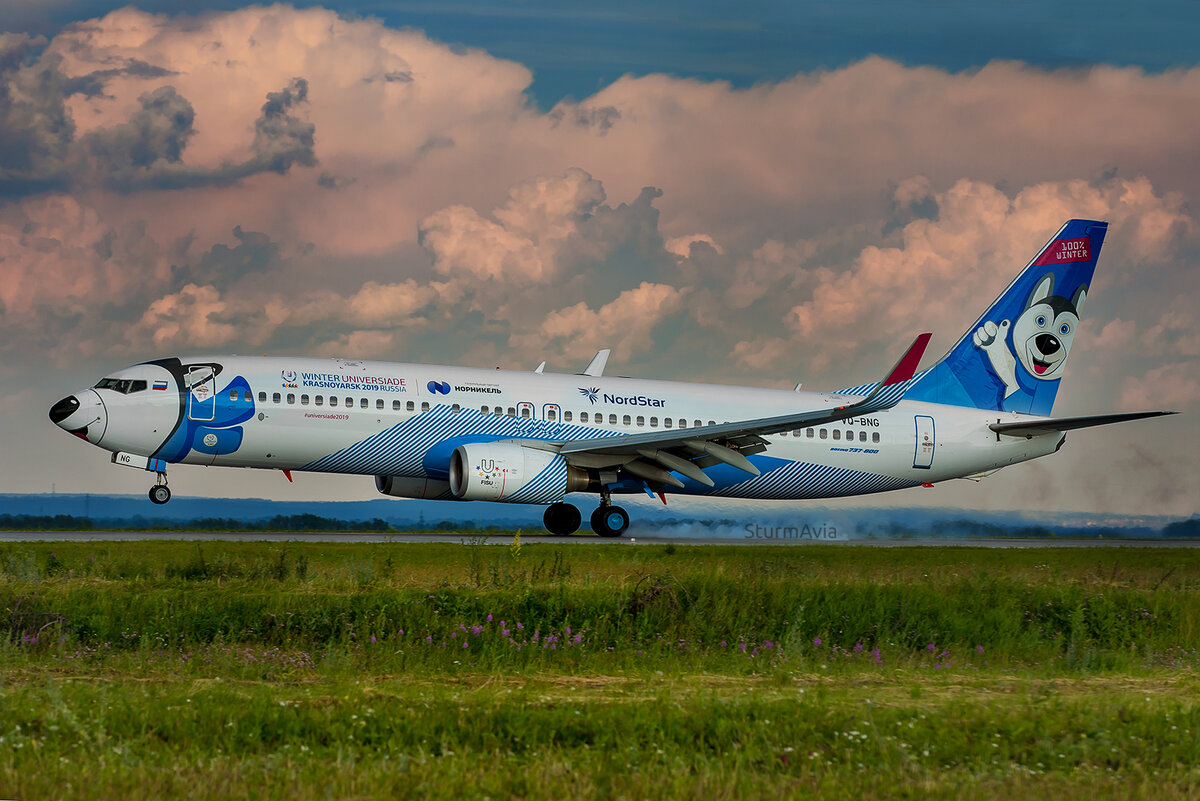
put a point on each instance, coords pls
(160, 385)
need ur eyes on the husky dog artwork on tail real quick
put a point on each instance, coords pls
(1041, 337)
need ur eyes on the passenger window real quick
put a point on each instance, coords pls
(625, 420)
(319, 400)
(641, 421)
(395, 406)
(291, 398)
(862, 436)
(874, 436)
(233, 394)
(666, 422)
(550, 415)
(837, 433)
(303, 400)
(245, 394)
(697, 423)
(333, 400)
(850, 436)
(682, 423)
(275, 398)
(349, 403)
(800, 432)
(410, 406)
(783, 433)
(525, 412)
(362, 403)
(455, 408)
(712, 422)
(654, 422)
(612, 419)
(583, 417)
(809, 433)
(512, 411)
(824, 433)
(499, 411)
(567, 416)
(425, 406)
(379, 404)
(262, 397)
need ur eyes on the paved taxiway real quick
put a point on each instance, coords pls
(648, 538)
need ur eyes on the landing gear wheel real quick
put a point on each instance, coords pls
(561, 518)
(160, 493)
(610, 521)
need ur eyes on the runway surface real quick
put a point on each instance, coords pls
(581, 539)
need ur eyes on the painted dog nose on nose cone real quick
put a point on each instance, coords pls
(1048, 344)
(64, 409)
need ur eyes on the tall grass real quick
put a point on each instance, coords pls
(497, 608)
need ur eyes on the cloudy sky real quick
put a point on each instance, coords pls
(757, 194)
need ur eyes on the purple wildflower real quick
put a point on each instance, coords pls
(816, 641)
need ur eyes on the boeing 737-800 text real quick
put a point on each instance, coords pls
(426, 431)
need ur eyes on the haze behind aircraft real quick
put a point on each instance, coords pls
(455, 433)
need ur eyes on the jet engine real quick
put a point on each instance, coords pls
(421, 488)
(505, 471)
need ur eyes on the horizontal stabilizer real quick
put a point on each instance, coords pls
(1050, 425)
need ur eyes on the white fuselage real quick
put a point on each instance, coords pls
(381, 418)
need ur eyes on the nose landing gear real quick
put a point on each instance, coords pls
(160, 493)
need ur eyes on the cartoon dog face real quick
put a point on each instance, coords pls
(1043, 334)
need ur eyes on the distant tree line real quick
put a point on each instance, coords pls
(300, 522)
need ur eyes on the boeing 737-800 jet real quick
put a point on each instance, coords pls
(426, 431)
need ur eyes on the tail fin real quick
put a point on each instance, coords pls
(1012, 358)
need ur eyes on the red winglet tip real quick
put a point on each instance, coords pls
(906, 368)
(662, 496)
(288, 475)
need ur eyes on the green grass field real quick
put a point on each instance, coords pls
(262, 670)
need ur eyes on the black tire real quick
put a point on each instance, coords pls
(561, 519)
(610, 521)
(160, 494)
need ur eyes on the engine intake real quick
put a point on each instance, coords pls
(504, 471)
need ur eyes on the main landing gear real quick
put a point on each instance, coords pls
(561, 519)
(160, 493)
(609, 520)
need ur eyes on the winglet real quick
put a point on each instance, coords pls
(906, 368)
(596, 366)
(890, 391)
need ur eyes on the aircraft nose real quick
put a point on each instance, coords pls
(64, 409)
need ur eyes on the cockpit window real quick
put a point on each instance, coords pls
(122, 385)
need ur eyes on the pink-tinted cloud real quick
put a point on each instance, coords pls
(792, 230)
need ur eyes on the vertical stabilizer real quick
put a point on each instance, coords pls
(1013, 357)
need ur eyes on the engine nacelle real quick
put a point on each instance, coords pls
(504, 471)
(421, 488)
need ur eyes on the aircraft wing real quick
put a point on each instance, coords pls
(653, 455)
(1049, 425)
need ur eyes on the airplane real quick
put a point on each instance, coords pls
(467, 434)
